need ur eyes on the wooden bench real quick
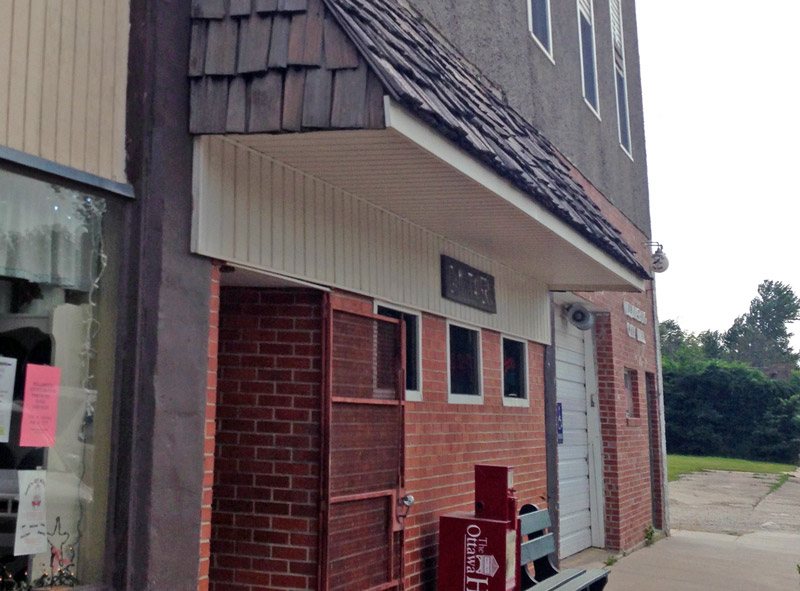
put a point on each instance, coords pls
(537, 549)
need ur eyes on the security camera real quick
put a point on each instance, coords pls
(579, 316)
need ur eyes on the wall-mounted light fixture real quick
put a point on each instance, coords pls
(404, 504)
(658, 260)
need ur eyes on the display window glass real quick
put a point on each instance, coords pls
(58, 293)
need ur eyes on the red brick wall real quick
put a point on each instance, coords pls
(626, 442)
(444, 442)
(266, 480)
(208, 450)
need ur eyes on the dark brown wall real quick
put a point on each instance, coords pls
(155, 526)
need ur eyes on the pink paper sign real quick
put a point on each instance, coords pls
(40, 406)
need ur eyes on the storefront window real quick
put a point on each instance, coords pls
(58, 275)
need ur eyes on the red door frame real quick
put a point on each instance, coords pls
(337, 303)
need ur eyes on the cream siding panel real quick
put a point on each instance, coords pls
(80, 85)
(301, 226)
(6, 18)
(254, 209)
(50, 73)
(106, 131)
(18, 75)
(65, 81)
(63, 77)
(241, 198)
(34, 77)
(117, 147)
(93, 87)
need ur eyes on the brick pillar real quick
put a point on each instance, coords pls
(656, 461)
(611, 413)
(208, 449)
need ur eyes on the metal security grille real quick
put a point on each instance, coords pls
(362, 538)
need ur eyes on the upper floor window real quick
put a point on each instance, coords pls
(588, 62)
(621, 84)
(539, 22)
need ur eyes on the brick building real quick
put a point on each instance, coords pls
(336, 269)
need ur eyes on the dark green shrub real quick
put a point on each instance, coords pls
(727, 409)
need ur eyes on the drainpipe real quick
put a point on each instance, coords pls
(661, 420)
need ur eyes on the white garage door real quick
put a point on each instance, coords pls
(580, 512)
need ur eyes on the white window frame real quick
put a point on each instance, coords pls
(620, 65)
(476, 399)
(411, 395)
(621, 69)
(547, 52)
(524, 402)
(590, 18)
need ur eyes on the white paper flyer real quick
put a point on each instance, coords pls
(8, 374)
(31, 537)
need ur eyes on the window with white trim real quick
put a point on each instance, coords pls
(515, 372)
(539, 24)
(464, 365)
(413, 350)
(620, 79)
(588, 61)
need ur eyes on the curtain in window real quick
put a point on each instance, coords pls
(47, 233)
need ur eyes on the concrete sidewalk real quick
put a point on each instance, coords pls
(690, 561)
(749, 538)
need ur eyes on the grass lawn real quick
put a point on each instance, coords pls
(677, 465)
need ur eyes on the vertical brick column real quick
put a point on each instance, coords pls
(266, 481)
(208, 449)
(626, 449)
(610, 416)
(656, 461)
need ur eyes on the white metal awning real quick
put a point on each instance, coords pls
(412, 171)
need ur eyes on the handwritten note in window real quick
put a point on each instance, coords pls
(40, 406)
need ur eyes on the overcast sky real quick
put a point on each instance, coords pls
(721, 107)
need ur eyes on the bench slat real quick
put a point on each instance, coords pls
(556, 580)
(533, 522)
(536, 548)
(582, 581)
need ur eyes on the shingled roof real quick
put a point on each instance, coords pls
(285, 66)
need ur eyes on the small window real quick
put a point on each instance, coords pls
(539, 22)
(632, 392)
(464, 356)
(515, 373)
(588, 62)
(413, 326)
(622, 111)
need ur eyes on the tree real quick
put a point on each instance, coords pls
(672, 337)
(712, 344)
(761, 336)
(682, 347)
